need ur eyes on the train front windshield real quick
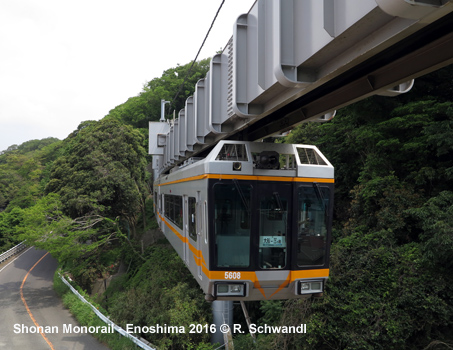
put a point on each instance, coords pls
(274, 225)
(232, 225)
(312, 224)
(264, 225)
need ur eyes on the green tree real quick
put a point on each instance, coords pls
(102, 172)
(23, 172)
(85, 245)
(151, 295)
(9, 223)
(137, 111)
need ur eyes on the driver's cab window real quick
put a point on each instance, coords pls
(312, 215)
(273, 225)
(232, 224)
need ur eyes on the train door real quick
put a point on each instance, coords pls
(185, 215)
(157, 204)
(274, 225)
(199, 228)
(162, 213)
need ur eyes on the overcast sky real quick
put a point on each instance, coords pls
(63, 62)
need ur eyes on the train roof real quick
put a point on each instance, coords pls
(244, 158)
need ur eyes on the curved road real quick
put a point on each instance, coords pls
(25, 304)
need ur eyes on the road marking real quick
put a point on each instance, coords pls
(26, 306)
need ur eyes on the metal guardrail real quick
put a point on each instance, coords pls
(105, 319)
(11, 252)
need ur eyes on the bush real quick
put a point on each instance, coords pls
(86, 317)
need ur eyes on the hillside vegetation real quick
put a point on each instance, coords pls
(86, 199)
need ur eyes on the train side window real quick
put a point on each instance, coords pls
(158, 203)
(178, 211)
(205, 213)
(312, 211)
(173, 209)
(167, 206)
(232, 224)
(199, 214)
(192, 223)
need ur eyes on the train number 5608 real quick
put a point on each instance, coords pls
(232, 275)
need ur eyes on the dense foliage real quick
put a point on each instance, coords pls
(150, 295)
(391, 258)
(101, 171)
(24, 171)
(137, 111)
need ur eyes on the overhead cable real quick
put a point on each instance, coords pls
(199, 50)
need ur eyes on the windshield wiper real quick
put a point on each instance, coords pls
(280, 207)
(320, 197)
(279, 201)
(241, 194)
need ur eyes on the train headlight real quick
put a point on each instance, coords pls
(226, 289)
(236, 288)
(310, 287)
(304, 287)
(222, 288)
(316, 286)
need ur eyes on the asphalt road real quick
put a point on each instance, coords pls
(24, 305)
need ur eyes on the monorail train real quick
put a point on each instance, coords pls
(252, 220)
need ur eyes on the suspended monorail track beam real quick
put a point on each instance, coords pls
(422, 53)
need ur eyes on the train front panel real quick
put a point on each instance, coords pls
(249, 231)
